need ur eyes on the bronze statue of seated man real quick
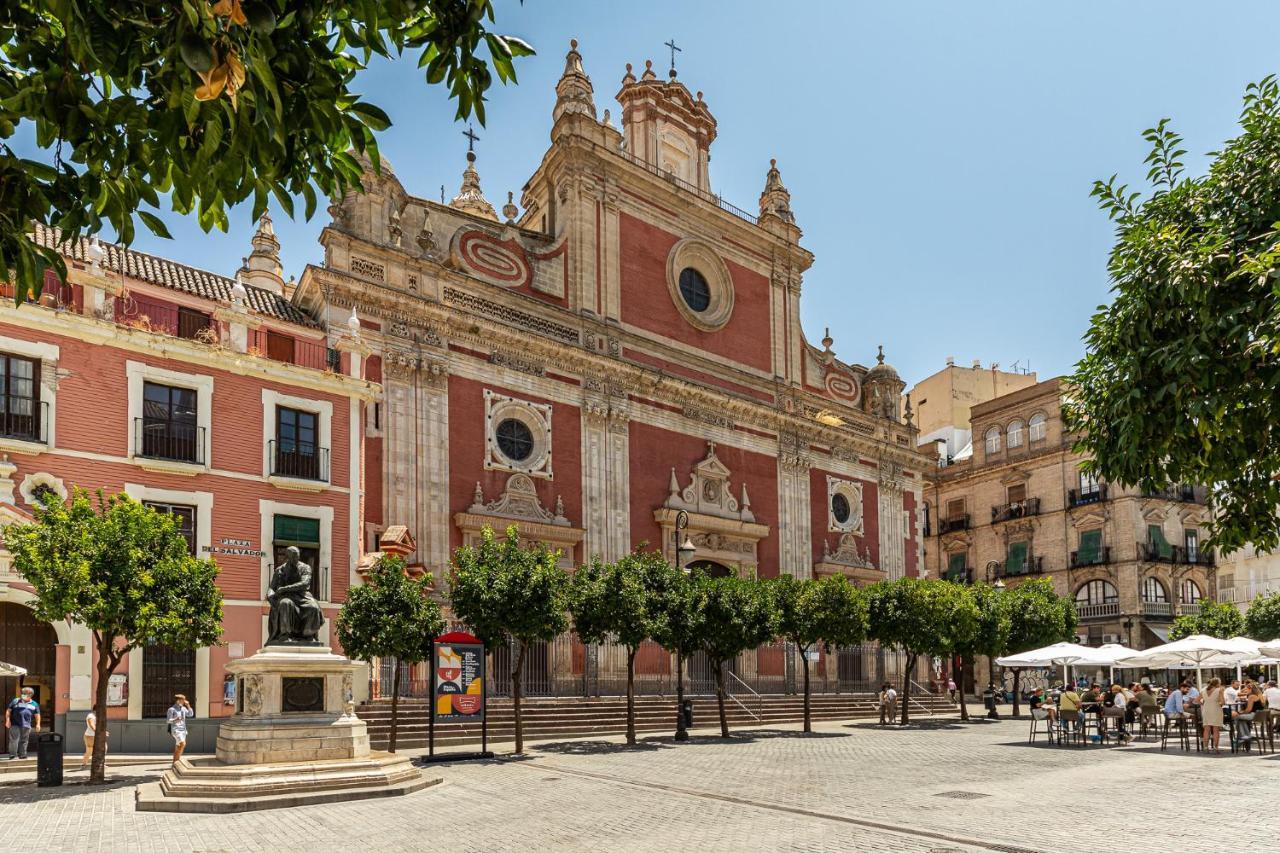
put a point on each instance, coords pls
(295, 614)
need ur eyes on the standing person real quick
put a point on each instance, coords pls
(888, 703)
(951, 688)
(1211, 715)
(90, 731)
(20, 718)
(178, 716)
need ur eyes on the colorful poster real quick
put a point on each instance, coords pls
(459, 687)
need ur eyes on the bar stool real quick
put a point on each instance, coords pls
(1182, 733)
(1036, 728)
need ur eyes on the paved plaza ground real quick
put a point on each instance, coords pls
(938, 786)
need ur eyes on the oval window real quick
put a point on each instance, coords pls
(515, 439)
(694, 290)
(840, 508)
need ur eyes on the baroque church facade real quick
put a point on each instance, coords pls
(622, 347)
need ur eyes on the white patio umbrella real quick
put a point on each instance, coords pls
(11, 670)
(1197, 651)
(1059, 654)
(1111, 653)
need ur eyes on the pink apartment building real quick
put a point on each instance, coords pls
(215, 399)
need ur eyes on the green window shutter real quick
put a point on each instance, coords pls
(1158, 542)
(1016, 563)
(956, 564)
(290, 528)
(1090, 547)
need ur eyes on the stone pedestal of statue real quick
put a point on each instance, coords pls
(294, 740)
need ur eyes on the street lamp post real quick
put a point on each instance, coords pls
(683, 551)
(993, 571)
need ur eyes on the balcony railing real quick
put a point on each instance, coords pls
(1192, 609)
(1175, 555)
(174, 442)
(1015, 509)
(689, 188)
(153, 315)
(947, 525)
(1081, 498)
(24, 419)
(303, 462)
(1157, 609)
(958, 575)
(1032, 566)
(1097, 558)
(1097, 611)
(1184, 492)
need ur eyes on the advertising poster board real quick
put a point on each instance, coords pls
(459, 682)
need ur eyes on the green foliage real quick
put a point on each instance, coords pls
(1181, 381)
(121, 569)
(1038, 616)
(675, 612)
(990, 631)
(737, 615)
(209, 103)
(1262, 622)
(921, 617)
(1213, 620)
(609, 602)
(502, 589)
(830, 610)
(390, 615)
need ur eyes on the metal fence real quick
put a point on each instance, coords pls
(566, 667)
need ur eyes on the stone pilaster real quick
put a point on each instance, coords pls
(893, 525)
(433, 518)
(795, 536)
(605, 477)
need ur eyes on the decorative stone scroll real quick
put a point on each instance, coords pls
(519, 505)
(848, 560)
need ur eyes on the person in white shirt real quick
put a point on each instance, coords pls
(888, 703)
(1232, 694)
(177, 717)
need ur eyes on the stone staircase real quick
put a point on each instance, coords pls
(553, 718)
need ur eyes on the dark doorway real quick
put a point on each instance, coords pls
(27, 642)
(711, 568)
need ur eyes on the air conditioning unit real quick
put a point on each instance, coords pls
(1111, 638)
(1082, 639)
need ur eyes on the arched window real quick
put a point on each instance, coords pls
(1189, 592)
(1153, 592)
(1097, 592)
(993, 440)
(1037, 425)
(1015, 434)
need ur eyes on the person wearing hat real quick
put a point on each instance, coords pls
(22, 715)
(178, 715)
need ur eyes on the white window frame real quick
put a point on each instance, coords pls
(202, 501)
(536, 416)
(47, 355)
(991, 439)
(323, 409)
(1037, 427)
(1014, 434)
(138, 373)
(267, 511)
(852, 492)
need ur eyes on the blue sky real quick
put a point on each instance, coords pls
(939, 154)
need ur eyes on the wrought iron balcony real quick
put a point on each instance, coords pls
(1097, 611)
(1015, 509)
(1097, 558)
(169, 440)
(958, 575)
(1032, 566)
(24, 419)
(1157, 609)
(300, 461)
(1082, 498)
(959, 522)
(1175, 555)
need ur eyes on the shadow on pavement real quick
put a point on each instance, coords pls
(925, 725)
(29, 793)
(601, 747)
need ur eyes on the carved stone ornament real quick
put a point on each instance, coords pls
(847, 553)
(709, 491)
(851, 493)
(891, 475)
(253, 695)
(519, 501)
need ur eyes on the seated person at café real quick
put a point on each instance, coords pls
(1251, 701)
(1041, 707)
(1176, 707)
(1115, 709)
(1070, 707)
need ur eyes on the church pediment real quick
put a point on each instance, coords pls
(709, 491)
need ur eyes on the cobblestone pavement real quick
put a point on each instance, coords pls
(937, 786)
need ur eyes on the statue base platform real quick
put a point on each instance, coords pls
(294, 740)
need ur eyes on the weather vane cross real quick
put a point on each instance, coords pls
(674, 50)
(471, 139)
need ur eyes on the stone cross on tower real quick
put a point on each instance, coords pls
(674, 50)
(472, 138)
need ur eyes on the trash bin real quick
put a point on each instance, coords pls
(49, 751)
(686, 711)
(989, 700)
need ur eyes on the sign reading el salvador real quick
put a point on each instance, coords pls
(458, 692)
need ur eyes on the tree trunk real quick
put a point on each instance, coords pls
(679, 691)
(906, 687)
(395, 704)
(631, 696)
(106, 665)
(724, 721)
(515, 696)
(1017, 697)
(804, 662)
(960, 670)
